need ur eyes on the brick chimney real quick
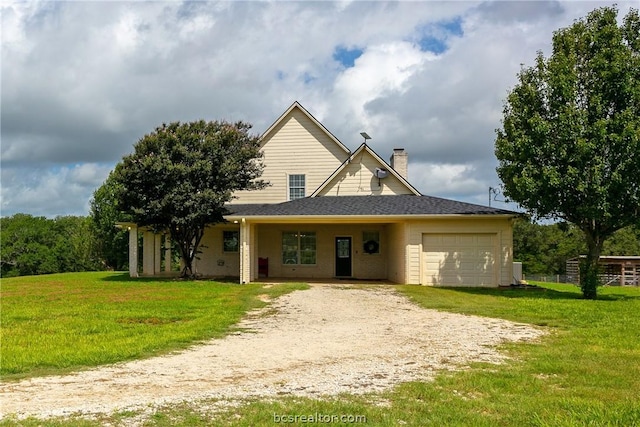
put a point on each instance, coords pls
(400, 162)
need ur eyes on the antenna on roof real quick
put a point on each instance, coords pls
(365, 136)
(495, 191)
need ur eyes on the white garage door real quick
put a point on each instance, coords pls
(459, 259)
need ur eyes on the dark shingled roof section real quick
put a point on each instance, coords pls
(366, 205)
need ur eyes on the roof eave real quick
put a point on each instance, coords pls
(363, 218)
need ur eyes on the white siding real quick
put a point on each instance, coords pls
(506, 254)
(295, 146)
(500, 228)
(358, 179)
(397, 259)
(214, 262)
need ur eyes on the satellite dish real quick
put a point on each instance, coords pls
(381, 173)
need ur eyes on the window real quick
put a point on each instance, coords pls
(371, 242)
(230, 241)
(296, 187)
(289, 248)
(307, 248)
(299, 247)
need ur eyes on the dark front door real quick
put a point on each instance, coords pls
(343, 256)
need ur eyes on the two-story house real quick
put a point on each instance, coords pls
(332, 213)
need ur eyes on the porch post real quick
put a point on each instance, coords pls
(148, 253)
(157, 253)
(253, 253)
(133, 251)
(245, 252)
(167, 252)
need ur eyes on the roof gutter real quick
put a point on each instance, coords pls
(367, 218)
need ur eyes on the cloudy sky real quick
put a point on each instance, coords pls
(83, 81)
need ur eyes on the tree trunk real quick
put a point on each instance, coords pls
(187, 269)
(589, 267)
(187, 261)
(188, 241)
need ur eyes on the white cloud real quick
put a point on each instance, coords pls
(65, 190)
(446, 180)
(382, 70)
(83, 81)
(88, 174)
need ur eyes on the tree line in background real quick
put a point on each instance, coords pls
(37, 245)
(545, 248)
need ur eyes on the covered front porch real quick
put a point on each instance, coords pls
(261, 251)
(301, 250)
(156, 249)
(317, 251)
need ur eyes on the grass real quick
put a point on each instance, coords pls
(586, 371)
(55, 323)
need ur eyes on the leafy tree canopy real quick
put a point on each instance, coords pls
(545, 248)
(38, 245)
(569, 147)
(182, 174)
(111, 242)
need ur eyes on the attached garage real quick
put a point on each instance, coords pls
(454, 259)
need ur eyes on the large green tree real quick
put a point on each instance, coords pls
(111, 243)
(569, 147)
(181, 176)
(38, 245)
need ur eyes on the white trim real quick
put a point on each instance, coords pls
(289, 185)
(329, 219)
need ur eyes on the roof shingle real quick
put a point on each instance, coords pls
(365, 206)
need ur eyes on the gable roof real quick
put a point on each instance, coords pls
(297, 105)
(385, 165)
(397, 205)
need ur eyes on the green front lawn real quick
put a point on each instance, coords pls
(586, 371)
(55, 323)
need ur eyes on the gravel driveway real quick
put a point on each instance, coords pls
(326, 340)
